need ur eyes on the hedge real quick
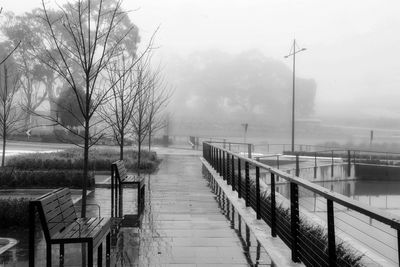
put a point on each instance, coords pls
(45, 179)
(100, 160)
(14, 212)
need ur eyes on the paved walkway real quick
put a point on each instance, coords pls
(183, 225)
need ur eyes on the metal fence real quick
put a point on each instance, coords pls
(322, 228)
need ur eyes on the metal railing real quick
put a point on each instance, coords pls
(293, 222)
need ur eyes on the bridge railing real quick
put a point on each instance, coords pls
(321, 227)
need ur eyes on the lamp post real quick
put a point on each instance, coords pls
(294, 50)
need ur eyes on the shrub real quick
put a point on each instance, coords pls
(45, 179)
(13, 212)
(146, 166)
(71, 159)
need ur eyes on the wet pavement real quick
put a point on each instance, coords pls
(183, 225)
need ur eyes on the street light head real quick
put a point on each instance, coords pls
(286, 56)
(303, 49)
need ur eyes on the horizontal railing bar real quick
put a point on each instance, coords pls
(375, 213)
(232, 143)
(352, 150)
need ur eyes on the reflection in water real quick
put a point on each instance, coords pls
(252, 249)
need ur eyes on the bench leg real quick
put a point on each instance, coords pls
(48, 255)
(90, 254)
(120, 209)
(61, 255)
(100, 255)
(139, 202)
(31, 234)
(112, 191)
(116, 198)
(108, 245)
(143, 196)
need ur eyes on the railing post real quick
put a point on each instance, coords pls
(398, 244)
(277, 161)
(249, 151)
(233, 173)
(228, 169)
(273, 206)
(315, 165)
(258, 205)
(297, 165)
(332, 165)
(294, 220)
(213, 156)
(219, 161)
(331, 233)
(239, 179)
(247, 183)
(223, 166)
(208, 152)
(348, 163)
(216, 153)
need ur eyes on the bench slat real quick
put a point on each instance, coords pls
(52, 215)
(89, 227)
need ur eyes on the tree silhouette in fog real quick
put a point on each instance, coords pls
(215, 85)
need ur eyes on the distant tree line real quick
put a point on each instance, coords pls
(246, 87)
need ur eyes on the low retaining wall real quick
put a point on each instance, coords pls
(376, 172)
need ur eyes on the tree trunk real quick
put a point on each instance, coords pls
(139, 155)
(85, 169)
(121, 147)
(149, 139)
(52, 97)
(4, 148)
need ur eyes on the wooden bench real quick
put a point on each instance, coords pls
(119, 178)
(61, 225)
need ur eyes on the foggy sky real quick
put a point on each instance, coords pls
(353, 47)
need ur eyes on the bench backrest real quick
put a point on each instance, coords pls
(56, 211)
(120, 169)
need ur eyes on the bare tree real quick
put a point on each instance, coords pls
(82, 39)
(152, 99)
(139, 120)
(36, 80)
(123, 97)
(10, 116)
(159, 96)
